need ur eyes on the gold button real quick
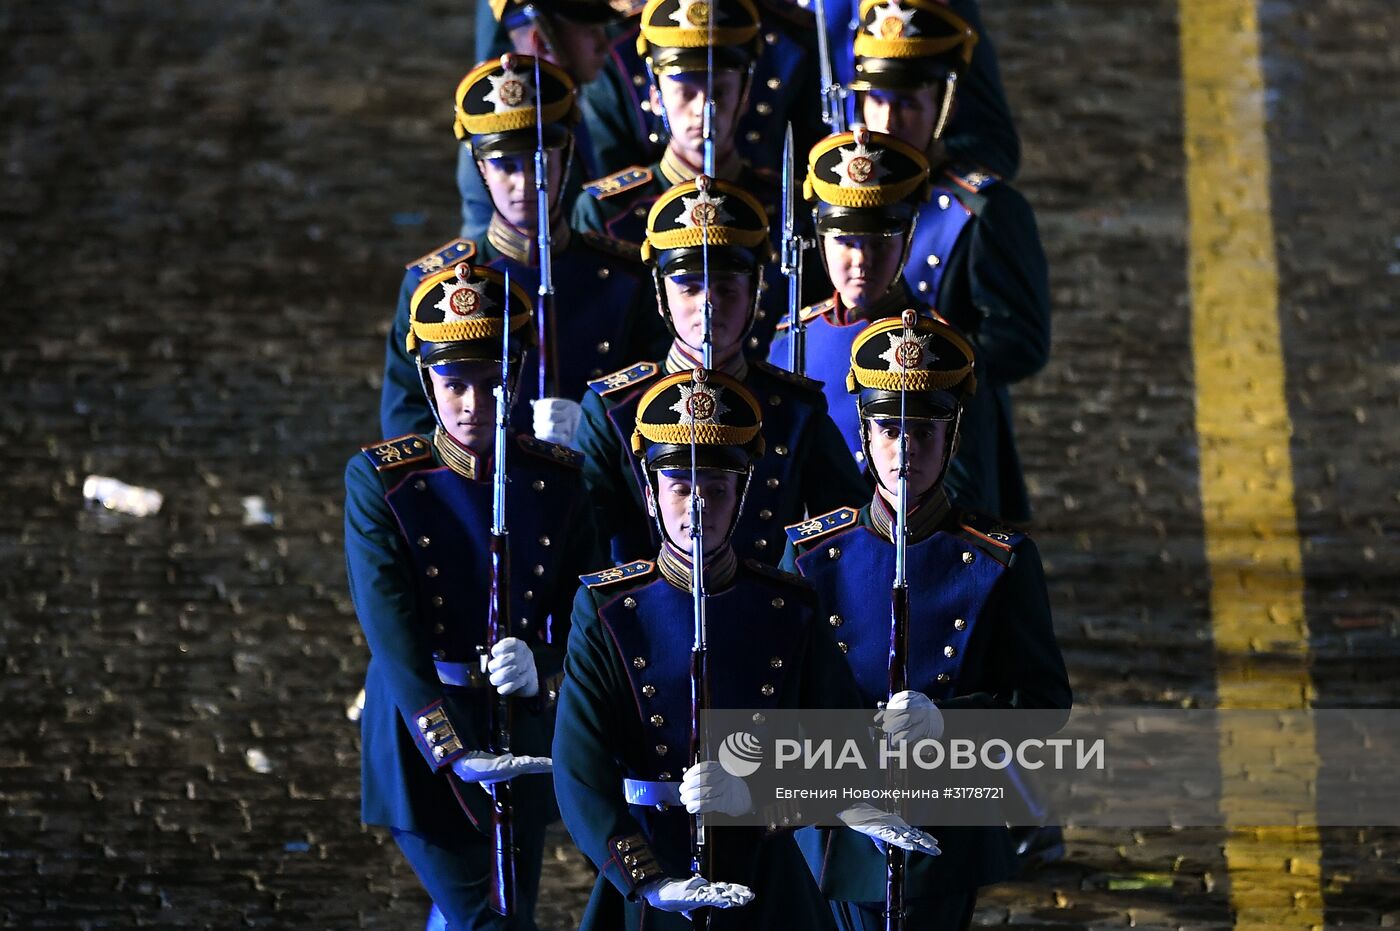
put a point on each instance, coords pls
(752, 135)
(665, 774)
(639, 662)
(638, 80)
(649, 691)
(943, 202)
(437, 601)
(923, 287)
(773, 483)
(439, 752)
(774, 83)
(424, 541)
(438, 629)
(529, 595)
(780, 450)
(944, 677)
(949, 652)
(544, 541)
(770, 37)
(845, 647)
(604, 273)
(759, 717)
(603, 347)
(639, 213)
(630, 859)
(833, 553)
(760, 544)
(420, 485)
(776, 662)
(537, 484)
(661, 749)
(624, 845)
(765, 514)
(432, 572)
(774, 400)
(767, 690)
(968, 558)
(835, 620)
(637, 874)
(439, 654)
(933, 261)
(960, 624)
(629, 602)
(761, 315)
(539, 570)
(764, 108)
(657, 720)
(753, 342)
(777, 602)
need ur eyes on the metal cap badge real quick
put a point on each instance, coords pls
(456, 315)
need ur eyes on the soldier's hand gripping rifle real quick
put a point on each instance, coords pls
(791, 262)
(544, 310)
(899, 618)
(833, 94)
(498, 627)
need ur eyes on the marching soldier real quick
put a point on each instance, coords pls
(980, 130)
(808, 469)
(623, 769)
(603, 314)
(675, 38)
(980, 634)
(418, 516)
(783, 90)
(976, 254)
(866, 189)
(572, 34)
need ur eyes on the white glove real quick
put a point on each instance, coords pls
(706, 787)
(556, 420)
(884, 827)
(512, 668)
(686, 895)
(480, 766)
(910, 717)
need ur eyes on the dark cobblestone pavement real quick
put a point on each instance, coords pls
(204, 210)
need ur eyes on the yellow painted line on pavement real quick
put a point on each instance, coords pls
(1243, 427)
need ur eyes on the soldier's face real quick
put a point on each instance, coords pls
(683, 96)
(731, 298)
(863, 268)
(581, 49)
(718, 490)
(908, 116)
(926, 453)
(511, 181)
(466, 403)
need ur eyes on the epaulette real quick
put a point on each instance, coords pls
(400, 451)
(777, 575)
(974, 181)
(613, 247)
(815, 528)
(632, 570)
(456, 250)
(990, 536)
(616, 183)
(551, 451)
(809, 313)
(791, 378)
(624, 378)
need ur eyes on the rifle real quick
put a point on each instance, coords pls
(899, 621)
(707, 125)
(791, 263)
(833, 94)
(544, 311)
(700, 848)
(498, 627)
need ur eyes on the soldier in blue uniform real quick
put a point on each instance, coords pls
(866, 189)
(603, 311)
(808, 469)
(784, 90)
(418, 513)
(674, 41)
(981, 130)
(573, 34)
(980, 632)
(976, 254)
(622, 748)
